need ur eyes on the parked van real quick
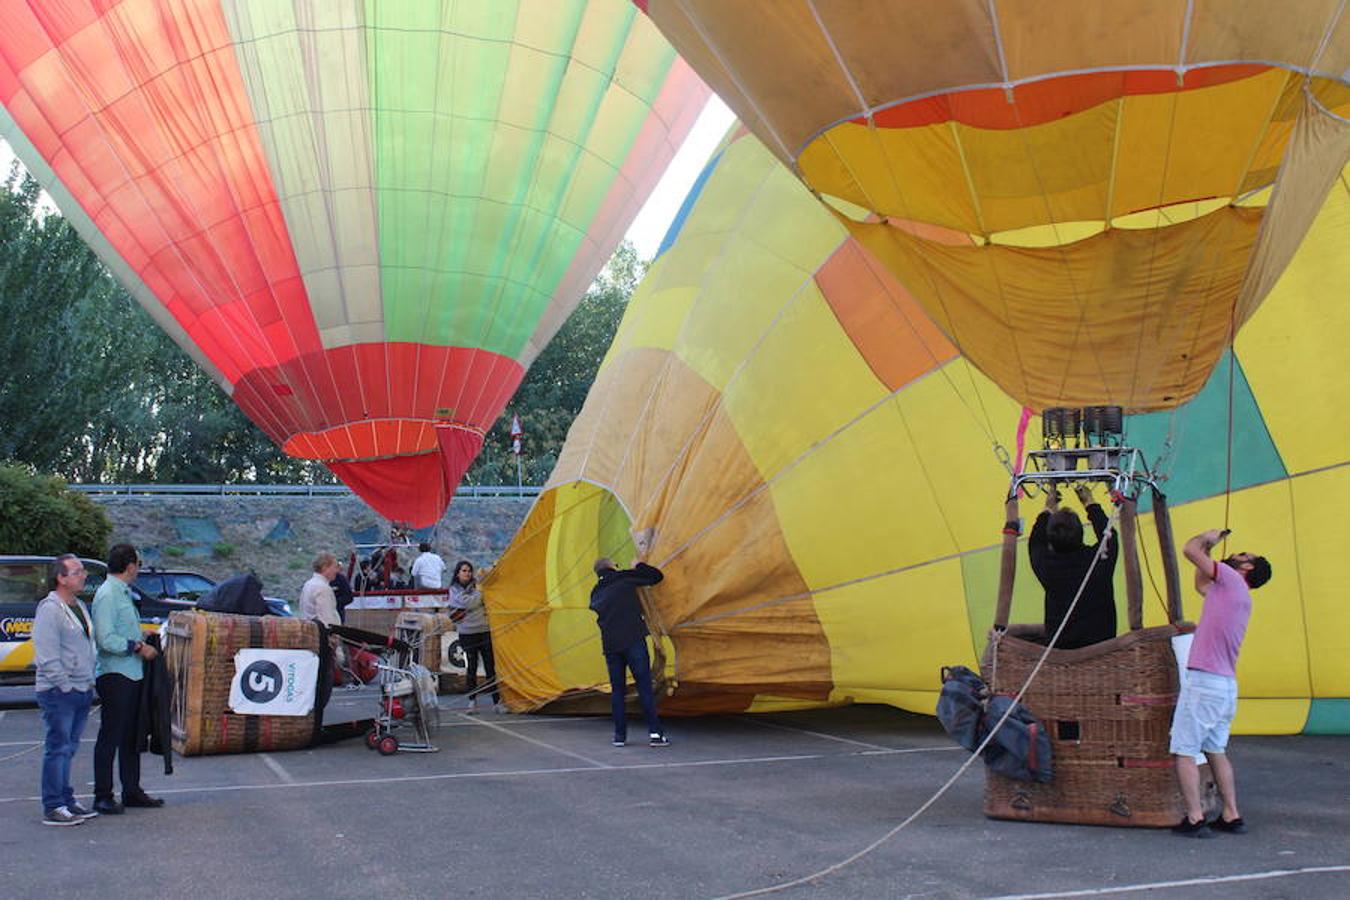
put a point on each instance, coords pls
(23, 584)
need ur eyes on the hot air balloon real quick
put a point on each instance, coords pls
(364, 220)
(1089, 199)
(822, 468)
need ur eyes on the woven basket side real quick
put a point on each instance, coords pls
(202, 658)
(1108, 709)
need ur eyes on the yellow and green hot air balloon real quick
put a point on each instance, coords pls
(1088, 198)
(364, 218)
(816, 457)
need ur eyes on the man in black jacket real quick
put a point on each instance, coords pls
(1061, 561)
(342, 592)
(623, 635)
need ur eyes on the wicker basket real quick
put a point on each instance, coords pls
(200, 656)
(1108, 708)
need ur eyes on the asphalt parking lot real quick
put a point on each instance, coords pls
(543, 806)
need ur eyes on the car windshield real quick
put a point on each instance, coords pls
(190, 587)
(22, 581)
(151, 584)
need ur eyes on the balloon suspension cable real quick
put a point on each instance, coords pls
(1107, 534)
(1232, 384)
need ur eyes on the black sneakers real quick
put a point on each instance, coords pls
(1236, 826)
(1187, 828)
(61, 816)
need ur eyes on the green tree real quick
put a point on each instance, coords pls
(39, 514)
(91, 386)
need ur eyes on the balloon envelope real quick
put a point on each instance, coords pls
(364, 219)
(817, 460)
(1088, 198)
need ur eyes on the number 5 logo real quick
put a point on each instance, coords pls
(261, 682)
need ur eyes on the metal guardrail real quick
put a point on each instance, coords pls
(465, 492)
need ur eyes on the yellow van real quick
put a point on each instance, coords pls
(23, 584)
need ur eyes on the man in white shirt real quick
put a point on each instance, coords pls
(428, 568)
(317, 600)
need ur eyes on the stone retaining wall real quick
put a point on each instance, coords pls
(220, 536)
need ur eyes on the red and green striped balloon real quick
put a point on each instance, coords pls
(364, 218)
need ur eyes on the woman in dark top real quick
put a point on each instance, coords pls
(466, 604)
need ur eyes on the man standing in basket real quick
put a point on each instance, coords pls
(623, 634)
(1208, 699)
(121, 667)
(1062, 563)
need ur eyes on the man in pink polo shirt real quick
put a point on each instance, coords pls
(1208, 698)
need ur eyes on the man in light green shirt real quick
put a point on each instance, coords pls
(121, 666)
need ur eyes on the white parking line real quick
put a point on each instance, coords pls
(276, 767)
(513, 720)
(767, 723)
(538, 743)
(503, 773)
(1189, 882)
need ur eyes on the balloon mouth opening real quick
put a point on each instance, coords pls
(378, 439)
(413, 487)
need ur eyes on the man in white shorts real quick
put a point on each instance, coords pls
(1208, 698)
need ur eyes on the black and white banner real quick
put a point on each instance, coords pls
(274, 682)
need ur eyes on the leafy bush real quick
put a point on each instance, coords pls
(174, 551)
(39, 514)
(222, 549)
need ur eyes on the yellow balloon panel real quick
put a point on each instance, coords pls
(1293, 349)
(1194, 144)
(1319, 502)
(799, 384)
(590, 524)
(958, 417)
(660, 322)
(919, 178)
(774, 241)
(868, 622)
(1261, 715)
(861, 504)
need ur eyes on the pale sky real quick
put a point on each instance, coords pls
(655, 216)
